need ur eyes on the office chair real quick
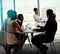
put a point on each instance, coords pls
(53, 49)
(52, 46)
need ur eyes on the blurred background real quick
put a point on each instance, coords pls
(25, 7)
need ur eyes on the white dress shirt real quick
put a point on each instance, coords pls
(37, 19)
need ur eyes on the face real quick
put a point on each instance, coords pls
(22, 18)
(47, 15)
(36, 11)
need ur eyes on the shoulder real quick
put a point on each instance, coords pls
(34, 15)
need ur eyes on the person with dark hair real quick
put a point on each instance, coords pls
(23, 37)
(50, 29)
(20, 19)
(11, 37)
(49, 12)
(35, 9)
(36, 16)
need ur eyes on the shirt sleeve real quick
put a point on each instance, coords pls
(42, 29)
(36, 18)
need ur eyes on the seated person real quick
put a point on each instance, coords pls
(14, 28)
(19, 23)
(4, 25)
(10, 34)
(50, 29)
(10, 26)
(11, 43)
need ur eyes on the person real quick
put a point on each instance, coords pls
(23, 37)
(4, 25)
(36, 16)
(10, 37)
(12, 42)
(14, 28)
(50, 29)
(19, 21)
(10, 16)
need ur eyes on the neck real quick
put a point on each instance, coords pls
(36, 13)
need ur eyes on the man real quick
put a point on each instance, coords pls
(36, 16)
(50, 29)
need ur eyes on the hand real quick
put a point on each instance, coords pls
(33, 30)
(43, 21)
(38, 25)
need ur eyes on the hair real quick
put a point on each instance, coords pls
(35, 9)
(49, 12)
(9, 13)
(12, 14)
(20, 17)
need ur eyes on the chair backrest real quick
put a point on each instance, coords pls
(51, 38)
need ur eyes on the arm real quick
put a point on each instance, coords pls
(42, 29)
(17, 25)
(36, 18)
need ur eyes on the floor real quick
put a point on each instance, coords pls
(28, 50)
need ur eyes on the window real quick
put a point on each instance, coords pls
(7, 5)
(25, 7)
(52, 4)
(0, 13)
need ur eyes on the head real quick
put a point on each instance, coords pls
(49, 13)
(20, 17)
(12, 14)
(36, 10)
(9, 13)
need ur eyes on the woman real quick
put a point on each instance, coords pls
(19, 23)
(12, 41)
(13, 27)
(10, 36)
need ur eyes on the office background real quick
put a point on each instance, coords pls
(26, 8)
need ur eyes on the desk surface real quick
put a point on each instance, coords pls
(32, 32)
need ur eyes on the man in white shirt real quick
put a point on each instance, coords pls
(36, 17)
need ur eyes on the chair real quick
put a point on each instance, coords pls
(52, 45)
(53, 49)
(2, 38)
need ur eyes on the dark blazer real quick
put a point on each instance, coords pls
(50, 29)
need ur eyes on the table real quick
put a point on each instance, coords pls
(28, 36)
